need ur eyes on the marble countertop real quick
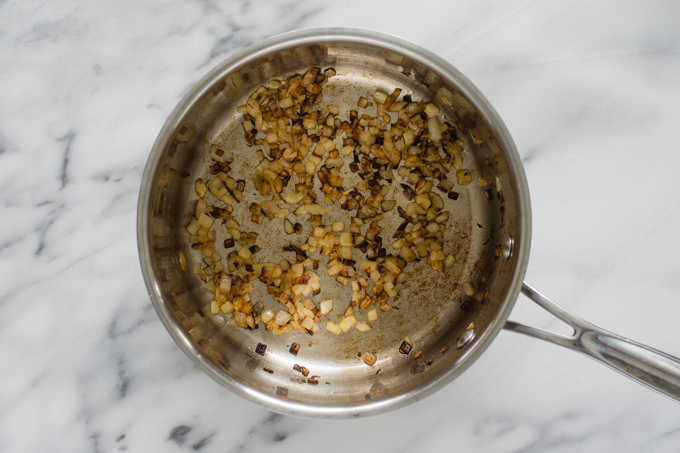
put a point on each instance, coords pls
(590, 93)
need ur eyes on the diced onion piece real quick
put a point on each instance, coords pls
(225, 284)
(297, 269)
(282, 317)
(205, 221)
(346, 239)
(345, 252)
(335, 268)
(288, 226)
(409, 137)
(193, 226)
(388, 205)
(380, 97)
(245, 253)
(235, 234)
(182, 260)
(369, 358)
(463, 177)
(240, 319)
(372, 315)
(308, 323)
(219, 154)
(200, 187)
(326, 306)
(347, 323)
(338, 226)
(431, 110)
(363, 326)
(443, 217)
(367, 264)
(445, 184)
(432, 227)
(293, 197)
(286, 102)
(267, 316)
(311, 208)
(423, 200)
(433, 129)
(332, 327)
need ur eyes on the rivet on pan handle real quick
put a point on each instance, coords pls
(647, 366)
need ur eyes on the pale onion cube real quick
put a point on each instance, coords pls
(225, 284)
(201, 188)
(346, 239)
(193, 226)
(363, 326)
(282, 318)
(235, 234)
(308, 323)
(326, 306)
(267, 316)
(434, 129)
(332, 327)
(205, 221)
(293, 197)
(380, 97)
(347, 323)
(245, 253)
(372, 315)
(431, 110)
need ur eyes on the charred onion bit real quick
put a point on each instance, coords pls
(405, 347)
(301, 369)
(281, 391)
(268, 370)
(261, 348)
(294, 348)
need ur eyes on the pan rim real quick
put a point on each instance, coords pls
(317, 36)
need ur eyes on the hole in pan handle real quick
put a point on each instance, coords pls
(657, 370)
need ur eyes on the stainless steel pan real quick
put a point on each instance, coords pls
(488, 232)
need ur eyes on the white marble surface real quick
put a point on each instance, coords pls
(589, 91)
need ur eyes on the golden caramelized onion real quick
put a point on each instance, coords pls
(305, 151)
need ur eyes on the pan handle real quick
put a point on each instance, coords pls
(647, 366)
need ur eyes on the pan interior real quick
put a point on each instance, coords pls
(432, 308)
